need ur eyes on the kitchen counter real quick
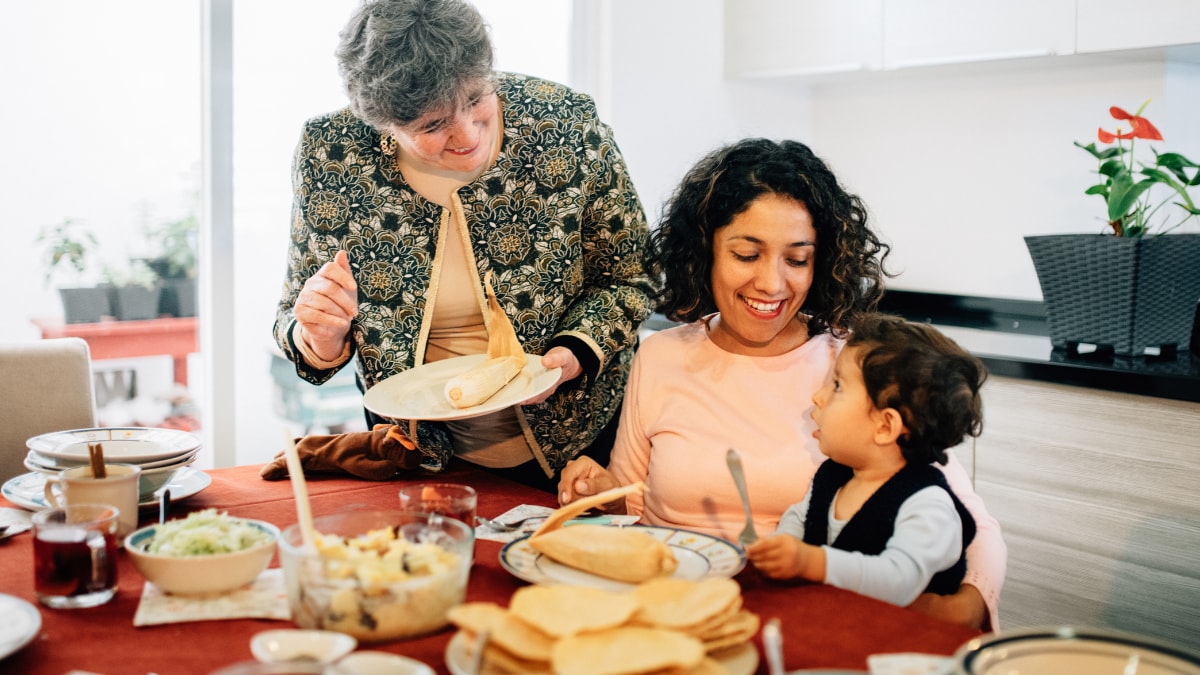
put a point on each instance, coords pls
(1010, 337)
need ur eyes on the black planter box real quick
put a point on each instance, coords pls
(1129, 295)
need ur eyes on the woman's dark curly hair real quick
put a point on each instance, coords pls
(848, 274)
(926, 377)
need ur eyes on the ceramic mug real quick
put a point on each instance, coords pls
(119, 487)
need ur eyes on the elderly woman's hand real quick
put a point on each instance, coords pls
(557, 357)
(583, 477)
(326, 306)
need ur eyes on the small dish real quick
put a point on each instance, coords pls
(382, 663)
(287, 644)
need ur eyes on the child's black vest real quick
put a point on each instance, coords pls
(870, 529)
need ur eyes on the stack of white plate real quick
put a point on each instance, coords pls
(160, 452)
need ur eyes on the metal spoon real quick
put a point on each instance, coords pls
(748, 535)
(164, 500)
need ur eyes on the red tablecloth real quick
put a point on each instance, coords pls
(823, 627)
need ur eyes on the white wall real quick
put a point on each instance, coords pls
(955, 164)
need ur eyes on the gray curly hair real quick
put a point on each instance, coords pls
(401, 59)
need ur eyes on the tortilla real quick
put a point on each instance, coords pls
(561, 515)
(622, 553)
(678, 603)
(623, 650)
(559, 611)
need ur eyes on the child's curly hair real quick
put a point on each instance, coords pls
(848, 272)
(924, 375)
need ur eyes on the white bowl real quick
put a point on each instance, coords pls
(287, 644)
(199, 574)
(382, 663)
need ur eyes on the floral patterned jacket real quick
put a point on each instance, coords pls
(556, 219)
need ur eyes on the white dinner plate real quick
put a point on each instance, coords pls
(1074, 651)
(19, 623)
(419, 393)
(35, 462)
(121, 444)
(739, 660)
(41, 461)
(699, 556)
(27, 490)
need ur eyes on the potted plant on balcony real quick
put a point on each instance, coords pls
(175, 265)
(1135, 287)
(69, 256)
(134, 291)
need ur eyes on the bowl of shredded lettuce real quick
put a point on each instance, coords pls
(205, 552)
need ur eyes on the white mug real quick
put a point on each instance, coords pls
(118, 488)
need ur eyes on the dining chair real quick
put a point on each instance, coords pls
(45, 386)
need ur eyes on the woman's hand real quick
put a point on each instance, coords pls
(966, 606)
(326, 306)
(583, 477)
(557, 357)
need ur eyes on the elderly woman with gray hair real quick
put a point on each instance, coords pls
(440, 171)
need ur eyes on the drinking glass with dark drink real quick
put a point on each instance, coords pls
(75, 555)
(449, 499)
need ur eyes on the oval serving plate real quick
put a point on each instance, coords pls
(419, 393)
(1073, 651)
(121, 444)
(699, 556)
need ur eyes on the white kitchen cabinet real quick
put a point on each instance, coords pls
(938, 32)
(1096, 494)
(1111, 25)
(822, 38)
(796, 38)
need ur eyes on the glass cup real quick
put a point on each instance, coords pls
(75, 555)
(119, 487)
(452, 500)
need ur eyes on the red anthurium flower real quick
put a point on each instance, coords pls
(1142, 128)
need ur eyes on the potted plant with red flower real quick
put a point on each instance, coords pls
(1133, 289)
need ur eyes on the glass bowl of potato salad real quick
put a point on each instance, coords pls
(377, 575)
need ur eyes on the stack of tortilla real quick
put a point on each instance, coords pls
(663, 626)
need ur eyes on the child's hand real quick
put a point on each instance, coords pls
(779, 556)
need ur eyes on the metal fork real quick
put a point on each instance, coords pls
(513, 525)
(748, 535)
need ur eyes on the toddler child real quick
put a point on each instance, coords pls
(879, 518)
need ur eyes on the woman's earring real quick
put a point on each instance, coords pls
(387, 143)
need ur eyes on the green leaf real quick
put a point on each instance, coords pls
(1113, 167)
(1124, 194)
(1107, 153)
